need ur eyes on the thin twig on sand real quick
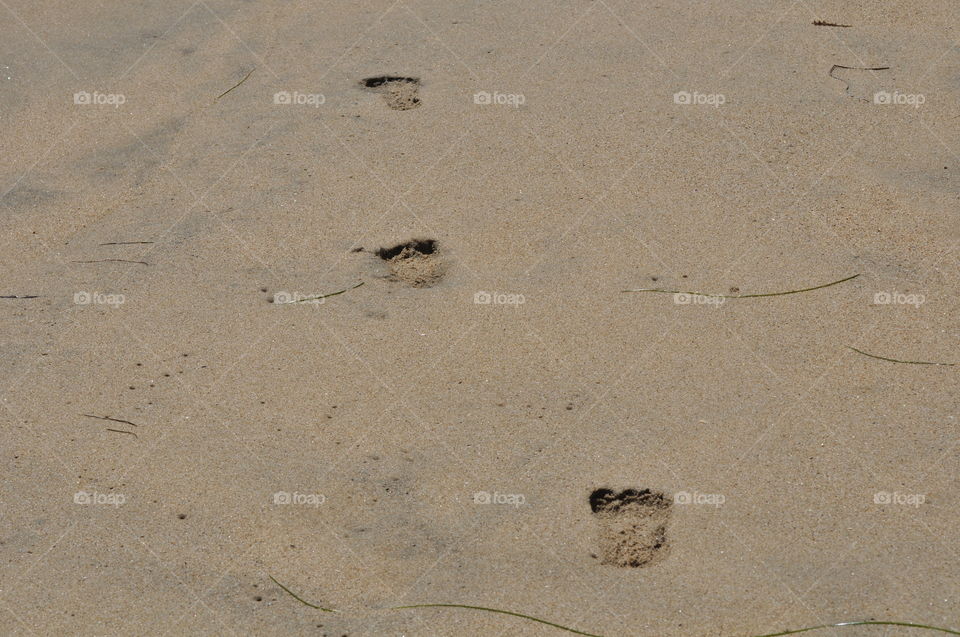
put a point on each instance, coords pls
(127, 422)
(502, 612)
(322, 296)
(300, 599)
(237, 84)
(120, 431)
(113, 260)
(744, 296)
(895, 360)
(868, 622)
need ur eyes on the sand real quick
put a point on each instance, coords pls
(184, 417)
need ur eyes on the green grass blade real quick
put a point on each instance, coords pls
(300, 599)
(237, 84)
(895, 360)
(946, 631)
(502, 612)
(795, 631)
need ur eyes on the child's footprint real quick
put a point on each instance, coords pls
(400, 93)
(633, 526)
(417, 262)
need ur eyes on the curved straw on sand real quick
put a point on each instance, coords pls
(323, 296)
(786, 632)
(895, 360)
(502, 612)
(300, 599)
(743, 296)
(946, 631)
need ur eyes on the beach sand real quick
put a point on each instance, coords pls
(489, 419)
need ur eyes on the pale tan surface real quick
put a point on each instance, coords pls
(398, 404)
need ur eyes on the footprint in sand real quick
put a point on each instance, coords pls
(400, 93)
(633, 526)
(417, 263)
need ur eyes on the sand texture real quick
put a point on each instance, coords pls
(334, 293)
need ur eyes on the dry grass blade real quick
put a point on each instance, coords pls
(324, 296)
(745, 296)
(502, 612)
(895, 360)
(946, 631)
(237, 84)
(300, 599)
(794, 631)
